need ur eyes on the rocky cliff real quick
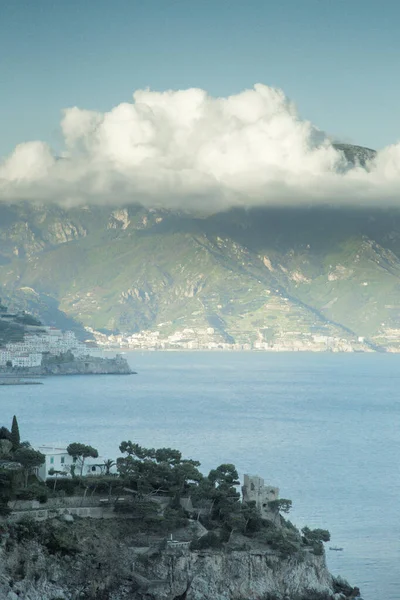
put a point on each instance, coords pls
(89, 365)
(106, 561)
(231, 575)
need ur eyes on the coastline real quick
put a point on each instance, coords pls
(89, 365)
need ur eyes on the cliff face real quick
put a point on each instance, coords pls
(232, 575)
(103, 561)
(90, 365)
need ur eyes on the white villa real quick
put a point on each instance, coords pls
(57, 458)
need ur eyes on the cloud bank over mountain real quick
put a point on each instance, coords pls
(186, 149)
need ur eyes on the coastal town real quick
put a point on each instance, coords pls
(211, 339)
(28, 347)
(29, 341)
(38, 341)
(27, 350)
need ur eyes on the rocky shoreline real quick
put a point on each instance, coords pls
(88, 365)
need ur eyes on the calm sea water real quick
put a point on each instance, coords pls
(324, 428)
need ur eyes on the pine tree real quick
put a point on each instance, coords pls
(15, 437)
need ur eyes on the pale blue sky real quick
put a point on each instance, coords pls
(337, 59)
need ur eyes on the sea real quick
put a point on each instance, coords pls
(324, 428)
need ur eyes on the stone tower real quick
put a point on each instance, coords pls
(254, 490)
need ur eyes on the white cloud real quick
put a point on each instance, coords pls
(185, 149)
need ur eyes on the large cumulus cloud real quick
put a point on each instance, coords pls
(186, 149)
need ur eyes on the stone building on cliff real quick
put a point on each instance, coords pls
(254, 490)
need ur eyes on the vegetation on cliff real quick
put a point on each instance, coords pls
(148, 474)
(151, 493)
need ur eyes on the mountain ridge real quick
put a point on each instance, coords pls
(275, 277)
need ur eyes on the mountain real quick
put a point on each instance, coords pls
(290, 278)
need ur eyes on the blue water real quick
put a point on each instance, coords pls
(322, 427)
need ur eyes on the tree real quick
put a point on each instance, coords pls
(252, 517)
(80, 452)
(168, 455)
(108, 465)
(220, 488)
(5, 493)
(5, 443)
(281, 505)
(5, 434)
(224, 474)
(15, 437)
(183, 474)
(29, 459)
(56, 473)
(132, 449)
(5, 448)
(157, 470)
(315, 537)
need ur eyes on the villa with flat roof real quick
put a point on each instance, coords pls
(58, 459)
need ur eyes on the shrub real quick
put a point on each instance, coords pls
(209, 540)
(61, 542)
(57, 540)
(4, 508)
(33, 492)
(175, 518)
(66, 485)
(26, 529)
(284, 541)
(314, 538)
(318, 535)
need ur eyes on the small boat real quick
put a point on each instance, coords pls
(336, 549)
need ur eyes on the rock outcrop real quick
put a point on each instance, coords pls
(99, 560)
(222, 575)
(89, 365)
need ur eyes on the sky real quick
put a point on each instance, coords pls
(336, 60)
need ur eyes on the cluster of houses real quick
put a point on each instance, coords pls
(37, 341)
(208, 338)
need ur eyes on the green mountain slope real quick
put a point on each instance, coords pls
(291, 278)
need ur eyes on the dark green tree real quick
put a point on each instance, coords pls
(132, 449)
(29, 459)
(80, 452)
(316, 535)
(281, 505)
(15, 437)
(252, 518)
(5, 434)
(5, 493)
(162, 470)
(225, 474)
(220, 488)
(108, 465)
(183, 476)
(53, 472)
(315, 539)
